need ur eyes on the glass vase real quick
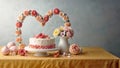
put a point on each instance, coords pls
(63, 45)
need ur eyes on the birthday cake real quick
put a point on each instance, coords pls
(42, 41)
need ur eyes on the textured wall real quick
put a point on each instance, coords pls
(95, 22)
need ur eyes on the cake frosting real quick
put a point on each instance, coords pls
(42, 41)
(38, 43)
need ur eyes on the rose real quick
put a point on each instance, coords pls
(68, 32)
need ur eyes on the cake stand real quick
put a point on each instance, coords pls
(39, 52)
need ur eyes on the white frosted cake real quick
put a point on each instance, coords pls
(42, 41)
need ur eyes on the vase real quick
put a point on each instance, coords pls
(63, 45)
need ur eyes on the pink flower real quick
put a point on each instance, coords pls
(68, 34)
(67, 28)
(62, 34)
(5, 50)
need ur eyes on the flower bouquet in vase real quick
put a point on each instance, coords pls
(64, 33)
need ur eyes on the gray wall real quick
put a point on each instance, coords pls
(95, 22)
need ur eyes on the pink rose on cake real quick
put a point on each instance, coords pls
(63, 31)
(41, 35)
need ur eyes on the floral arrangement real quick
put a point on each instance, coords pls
(12, 49)
(63, 31)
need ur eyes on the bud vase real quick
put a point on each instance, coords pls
(63, 45)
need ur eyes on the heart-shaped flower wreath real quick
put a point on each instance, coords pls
(66, 30)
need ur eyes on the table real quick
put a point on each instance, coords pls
(92, 57)
(119, 62)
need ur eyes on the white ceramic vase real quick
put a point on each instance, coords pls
(63, 45)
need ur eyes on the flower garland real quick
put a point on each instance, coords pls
(39, 18)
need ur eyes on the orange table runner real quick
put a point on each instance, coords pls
(92, 57)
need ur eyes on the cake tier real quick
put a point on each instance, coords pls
(39, 43)
(42, 46)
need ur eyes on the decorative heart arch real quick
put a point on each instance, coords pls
(38, 17)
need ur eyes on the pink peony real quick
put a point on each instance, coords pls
(13, 48)
(68, 34)
(5, 50)
(11, 44)
(75, 49)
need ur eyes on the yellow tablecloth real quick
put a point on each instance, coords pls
(92, 57)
